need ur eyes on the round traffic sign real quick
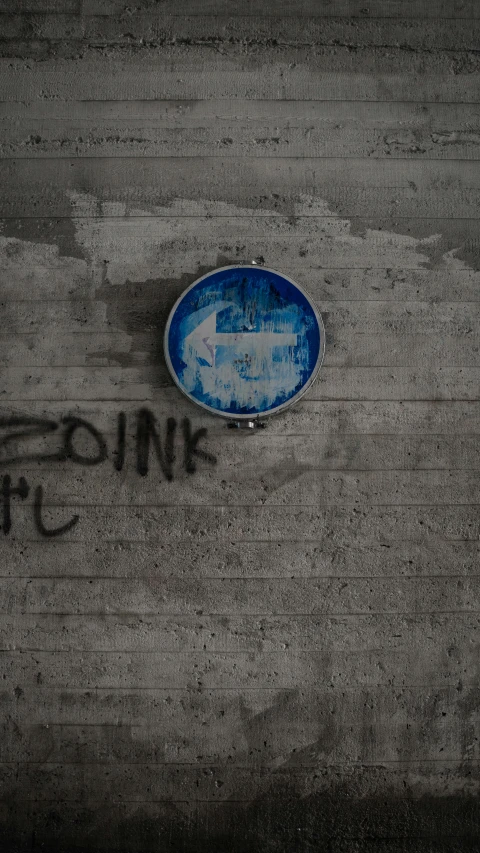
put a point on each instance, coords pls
(244, 342)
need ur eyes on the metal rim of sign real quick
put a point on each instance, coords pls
(252, 416)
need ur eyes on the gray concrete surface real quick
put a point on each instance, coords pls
(277, 649)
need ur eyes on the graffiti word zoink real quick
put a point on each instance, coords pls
(147, 434)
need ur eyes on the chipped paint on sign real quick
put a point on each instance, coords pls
(244, 341)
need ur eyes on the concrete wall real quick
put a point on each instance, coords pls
(277, 652)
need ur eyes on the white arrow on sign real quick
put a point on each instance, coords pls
(205, 338)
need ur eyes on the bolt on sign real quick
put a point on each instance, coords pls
(244, 342)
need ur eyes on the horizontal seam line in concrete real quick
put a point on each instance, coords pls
(192, 16)
(90, 44)
(290, 652)
(225, 802)
(112, 299)
(26, 401)
(217, 801)
(262, 235)
(412, 469)
(217, 765)
(102, 368)
(264, 614)
(273, 769)
(89, 366)
(470, 272)
(6, 158)
(254, 506)
(212, 43)
(230, 541)
(352, 508)
(103, 297)
(207, 689)
(332, 270)
(100, 299)
(298, 410)
(198, 99)
(327, 835)
(232, 616)
(228, 506)
(158, 577)
(414, 437)
(150, 725)
(220, 100)
(248, 650)
(209, 652)
(411, 436)
(36, 689)
(167, 617)
(189, 541)
(115, 300)
(267, 217)
(237, 101)
(298, 157)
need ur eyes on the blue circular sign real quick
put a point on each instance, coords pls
(244, 342)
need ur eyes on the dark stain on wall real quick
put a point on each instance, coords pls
(57, 231)
(277, 821)
(141, 308)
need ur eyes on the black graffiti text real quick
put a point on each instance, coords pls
(154, 444)
(148, 443)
